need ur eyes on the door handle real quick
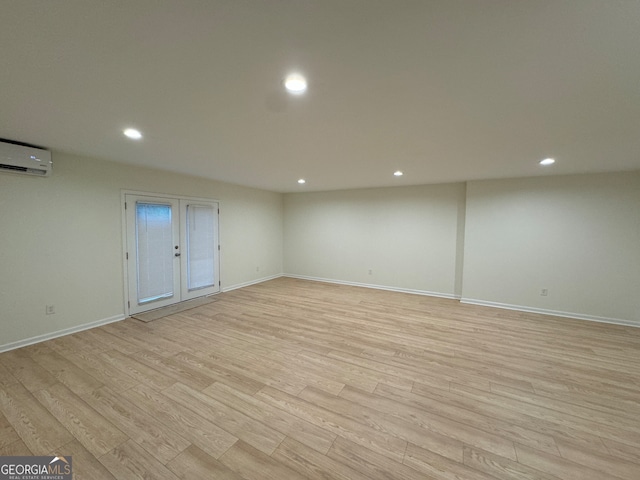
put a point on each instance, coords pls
(176, 255)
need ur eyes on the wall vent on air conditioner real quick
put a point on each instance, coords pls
(24, 159)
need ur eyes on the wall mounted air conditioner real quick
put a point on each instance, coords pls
(27, 160)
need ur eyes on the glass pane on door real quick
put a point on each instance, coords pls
(201, 245)
(154, 243)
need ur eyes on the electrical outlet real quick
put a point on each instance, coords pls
(544, 292)
(257, 269)
(370, 272)
(50, 309)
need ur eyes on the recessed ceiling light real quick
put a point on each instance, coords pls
(301, 181)
(398, 173)
(133, 133)
(547, 161)
(295, 84)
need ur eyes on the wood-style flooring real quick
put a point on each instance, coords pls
(292, 379)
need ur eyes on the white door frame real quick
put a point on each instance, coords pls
(179, 199)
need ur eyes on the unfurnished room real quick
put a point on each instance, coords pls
(320, 239)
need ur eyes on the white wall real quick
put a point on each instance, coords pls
(408, 236)
(61, 241)
(578, 236)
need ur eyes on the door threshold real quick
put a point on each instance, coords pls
(162, 312)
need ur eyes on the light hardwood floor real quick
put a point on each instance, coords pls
(293, 379)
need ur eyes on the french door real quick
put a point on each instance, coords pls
(172, 250)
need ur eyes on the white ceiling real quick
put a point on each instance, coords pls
(445, 90)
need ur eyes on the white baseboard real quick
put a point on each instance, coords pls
(555, 313)
(116, 318)
(376, 287)
(252, 282)
(520, 308)
(59, 333)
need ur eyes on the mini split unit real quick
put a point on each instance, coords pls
(23, 159)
